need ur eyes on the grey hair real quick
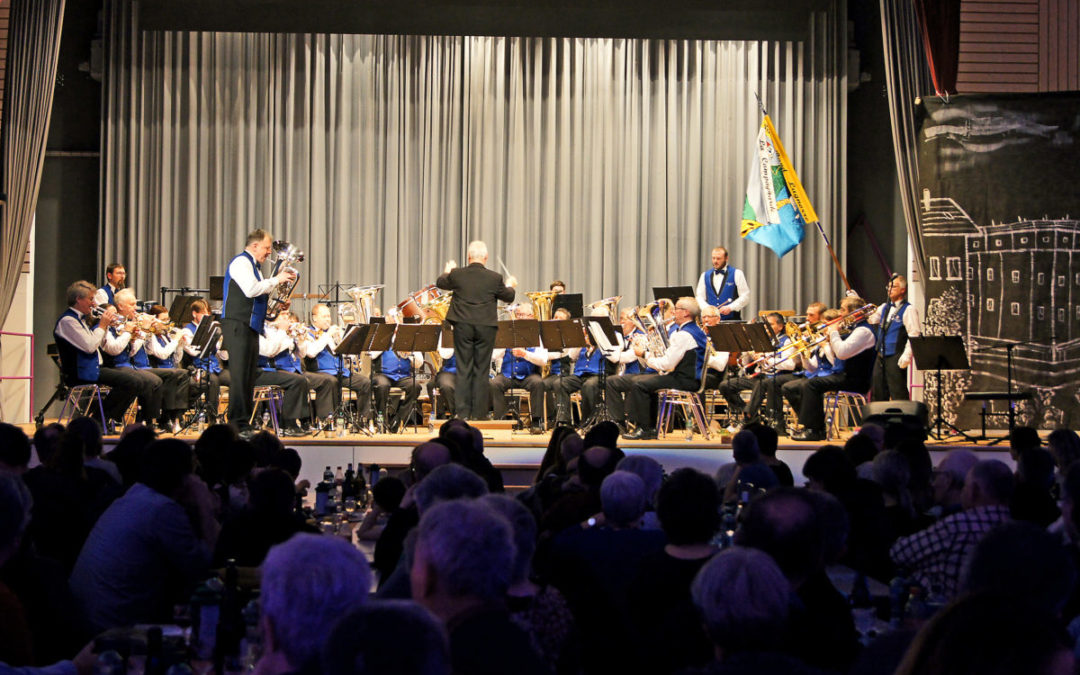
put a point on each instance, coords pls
(743, 598)
(477, 250)
(524, 524)
(446, 482)
(892, 471)
(647, 469)
(469, 547)
(309, 583)
(127, 295)
(79, 290)
(15, 506)
(622, 495)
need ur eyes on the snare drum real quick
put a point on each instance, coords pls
(415, 303)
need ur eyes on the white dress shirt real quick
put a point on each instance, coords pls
(79, 334)
(861, 339)
(679, 343)
(911, 324)
(248, 278)
(736, 305)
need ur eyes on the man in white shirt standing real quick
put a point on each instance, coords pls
(243, 315)
(896, 321)
(723, 287)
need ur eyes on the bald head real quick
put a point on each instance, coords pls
(429, 456)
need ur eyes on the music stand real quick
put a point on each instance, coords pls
(517, 334)
(180, 310)
(600, 410)
(217, 289)
(571, 302)
(352, 344)
(379, 340)
(672, 293)
(558, 336)
(938, 353)
(205, 340)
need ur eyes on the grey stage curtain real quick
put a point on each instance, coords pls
(907, 77)
(615, 165)
(34, 40)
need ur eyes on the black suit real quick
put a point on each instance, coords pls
(474, 316)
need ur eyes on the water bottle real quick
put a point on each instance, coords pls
(689, 428)
(328, 475)
(379, 423)
(202, 421)
(339, 426)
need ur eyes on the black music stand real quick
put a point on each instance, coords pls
(352, 344)
(672, 293)
(180, 310)
(379, 340)
(205, 340)
(557, 336)
(409, 338)
(517, 334)
(571, 302)
(938, 353)
(600, 410)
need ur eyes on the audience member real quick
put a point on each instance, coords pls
(270, 519)
(46, 440)
(921, 467)
(16, 643)
(149, 544)
(604, 434)
(1064, 446)
(309, 583)
(768, 440)
(574, 507)
(14, 449)
(891, 471)
(386, 498)
(744, 452)
(127, 453)
(1022, 439)
(90, 431)
(948, 481)
(860, 449)
(461, 571)
(933, 557)
(1033, 497)
(387, 637)
(874, 432)
(210, 450)
(652, 474)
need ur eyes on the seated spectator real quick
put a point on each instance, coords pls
(470, 442)
(386, 499)
(461, 571)
(948, 481)
(265, 447)
(14, 450)
(860, 449)
(744, 452)
(744, 600)
(876, 433)
(1022, 439)
(890, 470)
(387, 636)
(921, 467)
(270, 519)
(688, 507)
(575, 506)
(16, 643)
(649, 471)
(933, 557)
(787, 524)
(309, 583)
(768, 439)
(90, 431)
(1064, 446)
(210, 451)
(605, 434)
(1033, 500)
(46, 440)
(539, 610)
(239, 462)
(145, 549)
(989, 633)
(127, 453)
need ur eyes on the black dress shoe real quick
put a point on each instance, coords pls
(292, 432)
(809, 435)
(641, 434)
(535, 429)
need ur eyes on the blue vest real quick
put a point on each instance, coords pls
(683, 369)
(521, 367)
(328, 362)
(285, 360)
(450, 365)
(587, 364)
(77, 365)
(394, 367)
(236, 305)
(121, 360)
(727, 292)
(209, 363)
(140, 359)
(109, 293)
(161, 363)
(894, 338)
(825, 367)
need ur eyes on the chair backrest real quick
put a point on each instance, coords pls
(705, 366)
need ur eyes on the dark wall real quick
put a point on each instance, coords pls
(873, 192)
(66, 236)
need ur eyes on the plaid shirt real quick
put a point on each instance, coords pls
(934, 556)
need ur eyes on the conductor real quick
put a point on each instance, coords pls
(474, 317)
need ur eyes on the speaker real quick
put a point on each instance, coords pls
(909, 414)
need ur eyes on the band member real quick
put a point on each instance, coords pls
(160, 351)
(172, 398)
(323, 384)
(279, 364)
(768, 377)
(121, 344)
(583, 375)
(474, 317)
(679, 368)
(324, 338)
(396, 369)
(520, 369)
(445, 380)
(629, 364)
(853, 364)
(115, 280)
(78, 344)
(717, 364)
(209, 374)
(817, 362)
(557, 286)
(897, 320)
(723, 287)
(243, 314)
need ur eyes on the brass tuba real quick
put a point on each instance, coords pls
(541, 302)
(610, 304)
(363, 304)
(285, 256)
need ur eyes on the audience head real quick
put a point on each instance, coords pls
(744, 448)
(272, 493)
(921, 467)
(15, 507)
(605, 433)
(464, 555)
(1070, 502)
(688, 507)
(70, 455)
(388, 493)
(14, 449)
(835, 524)
(239, 462)
(1036, 469)
(622, 495)
(830, 470)
(89, 429)
(596, 464)
(989, 483)
(308, 584)
(128, 453)
(289, 461)
(1023, 560)
(860, 449)
(892, 472)
(949, 477)
(552, 461)
(165, 464)
(571, 447)
(265, 446)
(47, 440)
(448, 482)
(428, 456)
(743, 599)
(989, 634)
(648, 470)
(210, 449)
(784, 523)
(524, 524)
(387, 636)
(767, 438)
(1064, 445)
(876, 433)
(1022, 439)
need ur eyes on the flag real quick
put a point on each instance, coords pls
(776, 206)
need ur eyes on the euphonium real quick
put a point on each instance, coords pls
(541, 302)
(610, 304)
(286, 256)
(363, 303)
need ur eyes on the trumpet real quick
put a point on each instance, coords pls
(807, 337)
(297, 331)
(99, 310)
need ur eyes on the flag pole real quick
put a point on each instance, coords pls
(821, 231)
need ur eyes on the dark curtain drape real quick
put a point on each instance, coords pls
(939, 22)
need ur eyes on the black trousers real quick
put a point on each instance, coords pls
(175, 387)
(473, 346)
(810, 395)
(890, 380)
(326, 392)
(211, 384)
(150, 392)
(126, 385)
(589, 386)
(446, 383)
(242, 343)
(642, 396)
(381, 385)
(616, 387)
(295, 388)
(500, 384)
(761, 388)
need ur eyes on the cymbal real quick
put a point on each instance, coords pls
(310, 296)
